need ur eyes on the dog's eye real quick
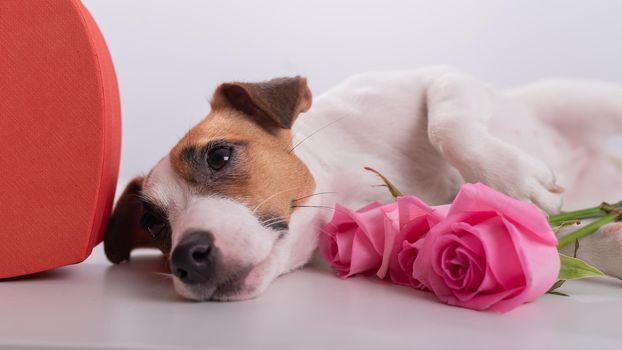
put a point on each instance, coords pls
(218, 157)
(154, 224)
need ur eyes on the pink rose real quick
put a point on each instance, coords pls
(369, 239)
(353, 241)
(411, 223)
(406, 259)
(491, 252)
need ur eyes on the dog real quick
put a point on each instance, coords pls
(240, 199)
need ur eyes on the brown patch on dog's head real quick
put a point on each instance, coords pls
(250, 123)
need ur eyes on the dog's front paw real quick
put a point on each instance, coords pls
(519, 175)
(603, 249)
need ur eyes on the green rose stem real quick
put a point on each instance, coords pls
(587, 230)
(598, 211)
(607, 213)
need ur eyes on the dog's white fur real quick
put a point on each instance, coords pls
(429, 131)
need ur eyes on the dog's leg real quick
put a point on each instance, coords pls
(602, 249)
(459, 109)
(586, 114)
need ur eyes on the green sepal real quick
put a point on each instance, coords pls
(388, 184)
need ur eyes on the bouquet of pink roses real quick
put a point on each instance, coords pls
(484, 251)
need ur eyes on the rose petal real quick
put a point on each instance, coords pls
(481, 302)
(456, 234)
(344, 242)
(482, 241)
(424, 265)
(330, 252)
(446, 266)
(501, 257)
(391, 231)
(337, 238)
(371, 224)
(364, 256)
(370, 206)
(479, 197)
(406, 259)
(415, 220)
(411, 232)
(341, 216)
(416, 229)
(411, 208)
(540, 264)
(441, 211)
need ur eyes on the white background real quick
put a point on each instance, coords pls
(169, 55)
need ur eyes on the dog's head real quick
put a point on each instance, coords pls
(220, 202)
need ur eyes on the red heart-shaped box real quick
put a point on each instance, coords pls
(59, 135)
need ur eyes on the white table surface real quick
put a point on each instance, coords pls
(97, 305)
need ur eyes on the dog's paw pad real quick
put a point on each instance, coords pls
(555, 188)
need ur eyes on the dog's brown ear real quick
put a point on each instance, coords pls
(124, 231)
(273, 103)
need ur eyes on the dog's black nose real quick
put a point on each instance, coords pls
(192, 260)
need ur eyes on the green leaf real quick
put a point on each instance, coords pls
(573, 268)
(394, 191)
(557, 293)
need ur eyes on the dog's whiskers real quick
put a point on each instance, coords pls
(275, 223)
(313, 206)
(272, 221)
(269, 198)
(313, 133)
(311, 195)
(164, 275)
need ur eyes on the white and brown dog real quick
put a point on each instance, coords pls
(239, 200)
